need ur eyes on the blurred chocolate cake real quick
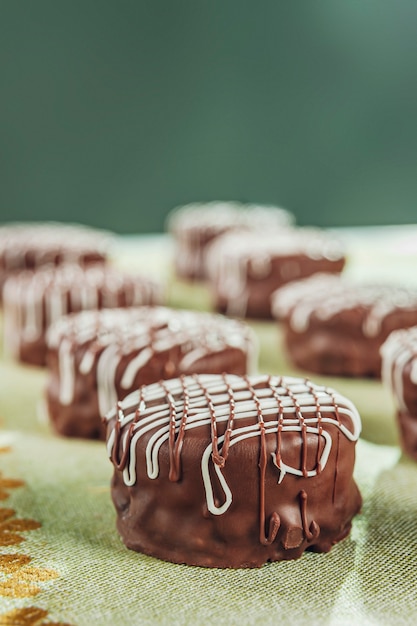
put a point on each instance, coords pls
(32, 245)
(33, 300)
(336, 327)
(246, 268)
(96, 358)
(195, 226)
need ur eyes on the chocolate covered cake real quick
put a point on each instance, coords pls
(231, 471)
(399, 373)
(194, 226)
(98, 357)
(31, 245)
(33, 300)
(246, 268)
(333, 326)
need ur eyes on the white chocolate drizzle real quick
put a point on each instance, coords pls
(194, 225)
(248, 407)
(66, 372)
(135, 335)
(326, 296)
(236, 257)
(33, 301)
(49, 242)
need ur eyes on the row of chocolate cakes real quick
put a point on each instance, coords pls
(101, 331)
(258, 265)
(214, 464)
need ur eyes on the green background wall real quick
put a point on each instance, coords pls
(113, 112)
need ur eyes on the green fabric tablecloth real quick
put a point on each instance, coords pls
(61, 560)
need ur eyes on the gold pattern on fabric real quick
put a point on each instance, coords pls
(18, 579)
(30, 616)
(10, 527)
(8, 483)
(10, 563)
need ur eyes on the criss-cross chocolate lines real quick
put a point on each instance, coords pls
(240, 408)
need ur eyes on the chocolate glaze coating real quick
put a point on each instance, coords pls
(245, 269)
(194, 226)
(98, 357)
(334, 327)
(33, 300)
(32, 245)
(335, 350)
(225, 471)
(407, 423)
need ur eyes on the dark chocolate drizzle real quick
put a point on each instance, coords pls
(319, 423)
(300, 416)
(120, 465)
(336, 410)
(218, 459)
(176, 442)
(274, 522)
(268, 529)
(278, 400)
(310, 532)
(230, 421)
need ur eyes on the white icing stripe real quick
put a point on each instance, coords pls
(38, 299)
(106, 374)
(326, 296)
(295, 395)
(192, 219)
(88, 297)
(235, 257)
(50, 243)
(66, 373)
(33, 323)
(192, 357)
(134, 366)
(211, 505)
(413, 373)
(194, 225)
(140, 333)
(87, 362)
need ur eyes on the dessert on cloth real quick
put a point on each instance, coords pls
(233, 471)
(96, 358)
(31, 245)
(33, 300)
(399, 373)
(246, 268)
(336, 327)
(194, 226)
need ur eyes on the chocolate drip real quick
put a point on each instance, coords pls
(274, 525)
(300, 417)
(120, 465)
(313, 531)
(284, 413)
(218, 459)
(274, 522)
(319, 425)
(175, 443)
(280, 417)
(230, 421)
